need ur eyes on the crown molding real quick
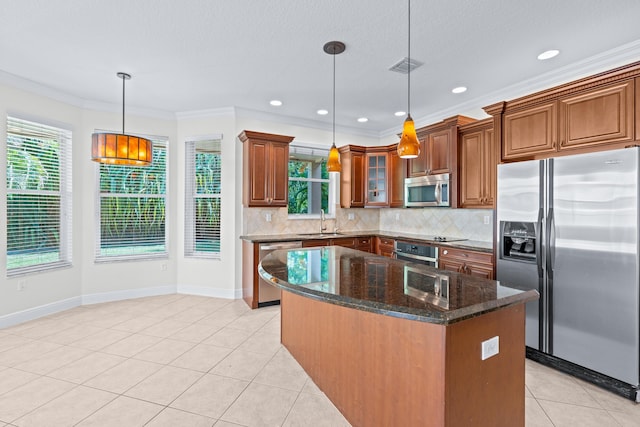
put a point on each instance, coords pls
(206, 113)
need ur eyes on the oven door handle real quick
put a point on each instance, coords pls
(416, 257)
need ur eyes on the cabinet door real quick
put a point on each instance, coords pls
(357, 180)
(315, 242)
(279, 174)
(439, 152)
(259, 191)
(377, 191)
(419, 165)
(471, 169)
(600, 116)
(363, 244)
(345, 242)
(397, 174)
(531, 131)
(489, 168)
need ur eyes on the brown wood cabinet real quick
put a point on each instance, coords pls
(385, 246)
(371, 177)
(265, 160)
(359, 243)
(477, 165)
(596, 113)
(463, 261)
(364, 244)
(377, 177)
(397, 173)
(438, 148)
(602, 115)
(352, 177)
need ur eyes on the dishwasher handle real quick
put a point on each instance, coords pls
(284, 245)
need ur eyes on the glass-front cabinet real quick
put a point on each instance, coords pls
(377, 191)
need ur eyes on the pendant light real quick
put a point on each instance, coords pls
(121, 149)
(333, 160)
(409, 146)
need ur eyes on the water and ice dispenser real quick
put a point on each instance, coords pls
(518, 241)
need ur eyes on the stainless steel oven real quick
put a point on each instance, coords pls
(421, 253)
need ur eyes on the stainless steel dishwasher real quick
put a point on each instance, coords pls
(268, 294)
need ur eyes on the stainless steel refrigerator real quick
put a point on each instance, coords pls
(568, 227)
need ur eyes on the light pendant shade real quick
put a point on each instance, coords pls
(409, 146)
(333, 160)
(119, 148)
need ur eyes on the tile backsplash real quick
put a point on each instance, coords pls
(473, 224)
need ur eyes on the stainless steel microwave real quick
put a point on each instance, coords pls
(430, 190)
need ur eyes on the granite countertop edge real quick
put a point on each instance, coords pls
(476, 245)
(420, 315)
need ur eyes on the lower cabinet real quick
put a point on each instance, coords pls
(385, 246)
(463, 261)
(364, 244)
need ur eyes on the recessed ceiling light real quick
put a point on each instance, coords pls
(275, 102)
(399, 113)
(548, 54)
(323, 112)
(363, 119)
(459, 89)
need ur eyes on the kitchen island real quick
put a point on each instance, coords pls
(396, 343)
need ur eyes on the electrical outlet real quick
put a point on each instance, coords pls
(487, 220)
(22, 285)
(397, 217)
(490, 347)
(267, 216)
(163, 266)
(351, 216)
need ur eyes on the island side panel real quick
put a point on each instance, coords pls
(250, 275)
(486, 392)
(378, 370)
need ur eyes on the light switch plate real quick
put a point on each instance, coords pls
(490, 347)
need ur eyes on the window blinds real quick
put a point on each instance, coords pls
(202, 198)
(132, 209)
(38, 197)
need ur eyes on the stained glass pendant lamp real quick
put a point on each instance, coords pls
(120, 148)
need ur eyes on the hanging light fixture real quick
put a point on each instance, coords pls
(333, 160)
(409, 146)
(121, 149)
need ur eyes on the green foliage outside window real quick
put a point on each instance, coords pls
(305, 189)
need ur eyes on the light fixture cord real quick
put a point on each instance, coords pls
(409, 60)
(123, 79)
(334, 97)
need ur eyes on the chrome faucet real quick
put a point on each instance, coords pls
(323, 226)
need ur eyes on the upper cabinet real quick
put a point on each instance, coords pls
(265, 168)
(352, 176)
(371, 177)
(600, 112)
(478, 163)
(377, 178)
(438, 148)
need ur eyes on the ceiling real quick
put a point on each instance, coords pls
(193, 55)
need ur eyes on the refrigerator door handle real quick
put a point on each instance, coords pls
(550, 243)
(539, 244)
(552, 240)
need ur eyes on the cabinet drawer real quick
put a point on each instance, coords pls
(315, 242)
(363, 244)
(347, 242)
(466, 255)
(386, 241)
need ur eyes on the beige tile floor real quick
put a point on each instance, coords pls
(180, 360)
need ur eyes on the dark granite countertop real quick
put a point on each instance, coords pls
(387, 286)
(475, 245)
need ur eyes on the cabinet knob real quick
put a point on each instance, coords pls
(445, 252)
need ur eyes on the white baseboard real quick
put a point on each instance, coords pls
(207, 291)
(127, 294)
(55, 307)
(37, 312)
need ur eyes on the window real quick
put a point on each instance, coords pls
(309, 181)
(202, 198)
(38, 197)
(132, 209)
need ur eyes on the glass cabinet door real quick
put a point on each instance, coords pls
(377, 179)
